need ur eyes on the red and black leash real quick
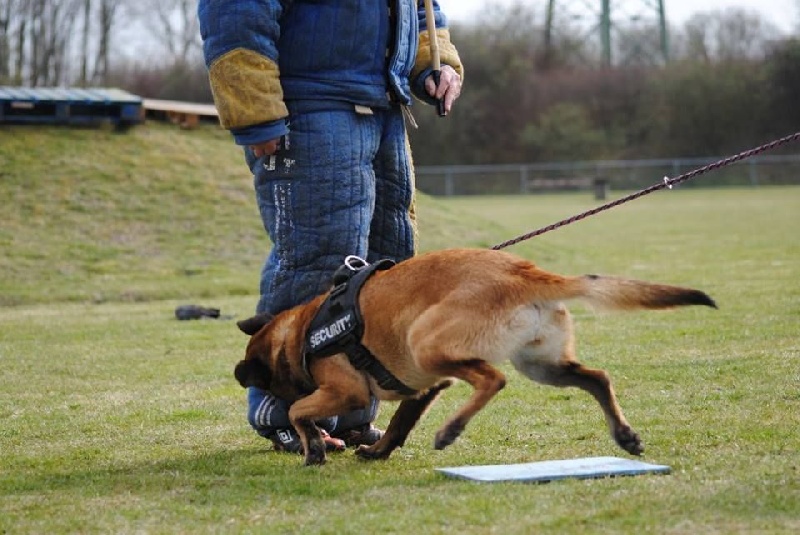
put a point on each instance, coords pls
(666, 183)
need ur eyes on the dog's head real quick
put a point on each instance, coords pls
(254, 370)
(274, 357)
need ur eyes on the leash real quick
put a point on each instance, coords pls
(436, 63)
(666, 183)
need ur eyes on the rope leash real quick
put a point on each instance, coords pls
(666, 183)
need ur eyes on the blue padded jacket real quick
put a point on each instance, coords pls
(262, 53)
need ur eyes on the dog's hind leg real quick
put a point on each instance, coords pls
(486, 382)
(403, 421)
(550, 359)
(598, 384)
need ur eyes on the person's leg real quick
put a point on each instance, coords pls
(391, 235)
(269, 417)
(356, 427)
(316, 199)
(393, 230)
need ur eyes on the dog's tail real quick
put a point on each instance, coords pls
(627, 294)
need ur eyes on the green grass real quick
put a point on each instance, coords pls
(114, 417)
(99, 216)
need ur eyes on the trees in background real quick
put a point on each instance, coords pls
(56, 42)
(783, 75)
(89, 42)
(732, 81)
(173, 25)
(33, 39)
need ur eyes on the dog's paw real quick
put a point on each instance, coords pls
(447, 435)
(629, 440)
(315, 460)
(371, 453)
(316, 453)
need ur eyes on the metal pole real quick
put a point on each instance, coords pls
(662, 23)
(449, 186)
(547, 60)
(605, 32)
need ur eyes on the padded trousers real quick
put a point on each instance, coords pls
(341, 184)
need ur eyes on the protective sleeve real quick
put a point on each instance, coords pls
(239, 46)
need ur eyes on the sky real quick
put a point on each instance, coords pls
(782, 13)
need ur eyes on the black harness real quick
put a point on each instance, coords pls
(338, 326)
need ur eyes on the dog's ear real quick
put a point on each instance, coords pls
(252, 372)
(252, 325)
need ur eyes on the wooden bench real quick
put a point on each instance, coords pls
(184, 114)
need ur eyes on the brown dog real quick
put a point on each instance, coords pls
(442, 315)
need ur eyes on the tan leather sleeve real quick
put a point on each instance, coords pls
(247, 89)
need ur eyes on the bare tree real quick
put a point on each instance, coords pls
(729, 34)
(59, 42)
(85, 34)
(20, 52)
(9, 24)
(61, 21)
(7, 7)
(797, 17)
(173, 24)
(107, 18)
(35, 40)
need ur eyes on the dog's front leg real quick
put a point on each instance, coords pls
(327, 400)
(310, 436)
(403, 421)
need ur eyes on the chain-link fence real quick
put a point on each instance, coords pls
(509, 179)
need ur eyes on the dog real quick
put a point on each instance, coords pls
(440, 316)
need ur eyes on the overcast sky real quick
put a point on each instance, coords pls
(782, 13)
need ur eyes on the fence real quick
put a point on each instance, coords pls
(509, 179)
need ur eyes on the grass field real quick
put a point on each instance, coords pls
(116, 418)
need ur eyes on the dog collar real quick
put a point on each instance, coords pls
(338, 326)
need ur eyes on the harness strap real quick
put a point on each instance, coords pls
(338, 327)
(362, 359)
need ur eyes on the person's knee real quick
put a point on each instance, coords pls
(359, 417)
(265, 410)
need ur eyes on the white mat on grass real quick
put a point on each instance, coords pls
(585, 468)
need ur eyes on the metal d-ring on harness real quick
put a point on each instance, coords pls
(338, 326)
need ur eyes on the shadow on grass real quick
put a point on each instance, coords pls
(225, 476)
